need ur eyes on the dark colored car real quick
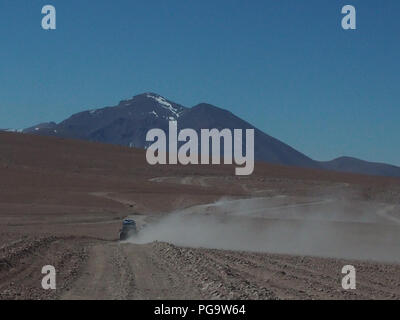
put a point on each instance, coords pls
(128, 229)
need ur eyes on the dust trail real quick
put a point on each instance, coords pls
(277, 225)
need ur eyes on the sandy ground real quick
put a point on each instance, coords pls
(283, 233)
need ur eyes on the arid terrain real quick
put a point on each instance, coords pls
(204, 233)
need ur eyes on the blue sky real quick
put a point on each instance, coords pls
(285, 66)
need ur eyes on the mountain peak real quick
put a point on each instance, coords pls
(148, 95)
(143, 96)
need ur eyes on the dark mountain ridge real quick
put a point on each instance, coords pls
(128, 122)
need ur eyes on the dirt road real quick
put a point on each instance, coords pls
(130, 272)
(163, 271)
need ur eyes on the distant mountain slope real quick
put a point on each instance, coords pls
(353, 165)
(267, 148)
(128, 122)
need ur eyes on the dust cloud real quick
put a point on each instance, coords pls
(325, 228)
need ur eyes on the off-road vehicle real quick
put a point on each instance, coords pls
(128, 229)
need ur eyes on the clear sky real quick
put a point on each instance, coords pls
(285, 66)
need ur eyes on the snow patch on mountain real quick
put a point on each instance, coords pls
(96, 112)
(154, 113)
(165, 104)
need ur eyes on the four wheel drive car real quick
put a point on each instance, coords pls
(128, 229)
